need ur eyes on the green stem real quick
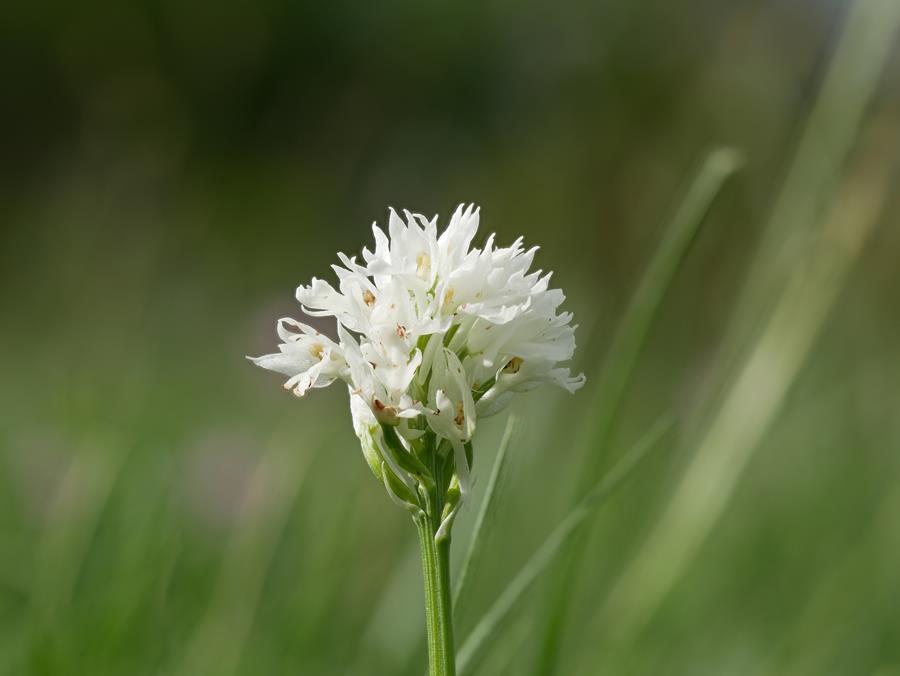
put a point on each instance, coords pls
(438, 604)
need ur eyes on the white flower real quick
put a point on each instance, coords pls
(308, 357)
(431, 334)
(451, 409)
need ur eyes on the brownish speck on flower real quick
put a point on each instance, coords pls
(513, 365)
(460, 415)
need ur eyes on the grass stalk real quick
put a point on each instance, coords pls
(487, 511)
(825, 142)
(751, 405)
(621, 361)
(491, 621)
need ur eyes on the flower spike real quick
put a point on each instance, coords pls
(432, 335)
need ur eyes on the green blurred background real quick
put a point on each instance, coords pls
(172, 170)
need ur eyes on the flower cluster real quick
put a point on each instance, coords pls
(432, 334)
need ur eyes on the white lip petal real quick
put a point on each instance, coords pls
(280, 362)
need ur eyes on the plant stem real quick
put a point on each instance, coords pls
(438, 604)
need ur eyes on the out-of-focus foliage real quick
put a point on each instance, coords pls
(170, 171)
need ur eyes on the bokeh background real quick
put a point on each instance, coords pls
(172, 170)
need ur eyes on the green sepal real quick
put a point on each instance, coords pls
(450, 333)
(398, 489)
(371, 453)
(449, 512)
(404, 458)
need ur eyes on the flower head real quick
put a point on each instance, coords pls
(432, 334)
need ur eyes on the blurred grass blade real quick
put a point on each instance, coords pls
(632, 332)
(813, 638)
(219, 638)
(393, 634)
(493, 619)
(486, 512)
(635, 325)
(751, 405)
(504, 652)
(825, 142)
(82, 498)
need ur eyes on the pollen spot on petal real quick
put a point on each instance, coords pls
(316, 350)
(460, 415)
(368, 298)
(384, 413)
(513, 365)
(423, 265)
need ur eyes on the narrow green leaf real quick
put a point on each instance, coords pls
(782, 310)
(867, 41)
(493, 619)
(486, 513)
(746, 411)
(622, 359)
